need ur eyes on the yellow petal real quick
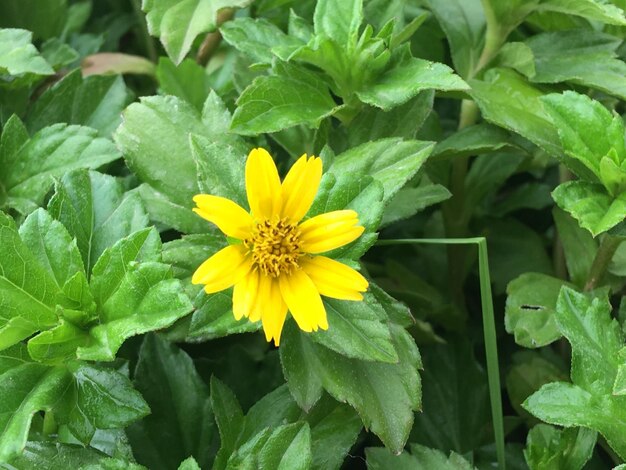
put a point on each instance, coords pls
(300, 187)
(328, 231)
(263, 297)
(229, 216)
(263, 185)
(245, 295)
(274, 314)
(225, 268)
(334, 279)
(303, 300)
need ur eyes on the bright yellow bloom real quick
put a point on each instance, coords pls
(274, 268)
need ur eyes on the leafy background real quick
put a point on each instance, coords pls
(434, 119)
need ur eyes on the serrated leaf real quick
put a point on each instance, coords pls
(405, 77)
(548, 447)
(420, 457)
(29, 169)
(530, 309)
(188, 81)
(384, 395)
(589, 401)
(19, 59)
(579, 246)
(95, 210)
(338, 19)
(591, 205)
(94, 102)
(27, 290)
(178, 23)
(473, 140)
(179, 399)
(272, 103)
(408, 201)
(391, 161)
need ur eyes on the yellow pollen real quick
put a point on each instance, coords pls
(275, 247)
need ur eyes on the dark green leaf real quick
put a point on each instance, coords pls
(229, 418)
(548, 447)
(579, 246)
(473, 140)
(420, 457)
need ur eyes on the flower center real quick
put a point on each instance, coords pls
(275, 247)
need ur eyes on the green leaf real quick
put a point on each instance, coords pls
(405, 77)
(25, 388)
(473, 140)
(587, 130)
(19, 59)
(518, 56)
(384, 395)
(455, 399)
(53, 456)
(188, 81)
(58, 54)
(229, 418)
(188, 252)
(590, 9)
(420, 457)
(338, 19)
(96, 211)
(133, 297)
(288, 447)
(178, 24)
(189, 464)
(408, 201)
(507, 100)
(168, 194)
(357, 330)
(463, 22)
(597, 356)
(44, 18)
(179, 399)
(94, 101)
(391, 161)
(29, 168)
(275, 102)
(591, 205)
(579, 246)
(548, 447)
(257, 38)
(55, 250)
(27, 290)
(530, 309)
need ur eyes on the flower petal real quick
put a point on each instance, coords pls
(300, 187)
(328, 231)
(229, 216)
(263, 185)
(334, 279)
(225, 268)
(263, 297)
(274, 314)
(303, 300)
(245, 295)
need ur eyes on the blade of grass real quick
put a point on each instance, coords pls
(489, 328)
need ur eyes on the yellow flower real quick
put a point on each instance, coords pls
(275, 267)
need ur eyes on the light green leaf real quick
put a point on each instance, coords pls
(549, 448)
(590, 9)
(473, 140)
(579, 246)
(530, 309)
(590, 401)
(463, 22)
(19, 59)
(179, 399)
(27, 290)
(257, 37)
(384, 395)
(405, 77)
(96, 101)
(54, 248)
(391, 161)
(587, 130)
(25, 388)
(507, 100)
(188, 81)
(357, 330)
(591, 205)
(518, 56)
(29, 169)
(420, 458)
(338, 19)
(275, 102)
(188, 252)
(189, 464)
(96, 211)
(178, 23)
(408, 201)
(288, 447)
(58, 54)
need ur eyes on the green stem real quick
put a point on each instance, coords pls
(212, 40)
(149, 42)
(600, 264)
(49, 424)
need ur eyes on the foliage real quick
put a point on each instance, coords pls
(445, 120)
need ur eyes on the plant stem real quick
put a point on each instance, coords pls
(600, 264)
(49, 424)
(149, 42)
(212, 40)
